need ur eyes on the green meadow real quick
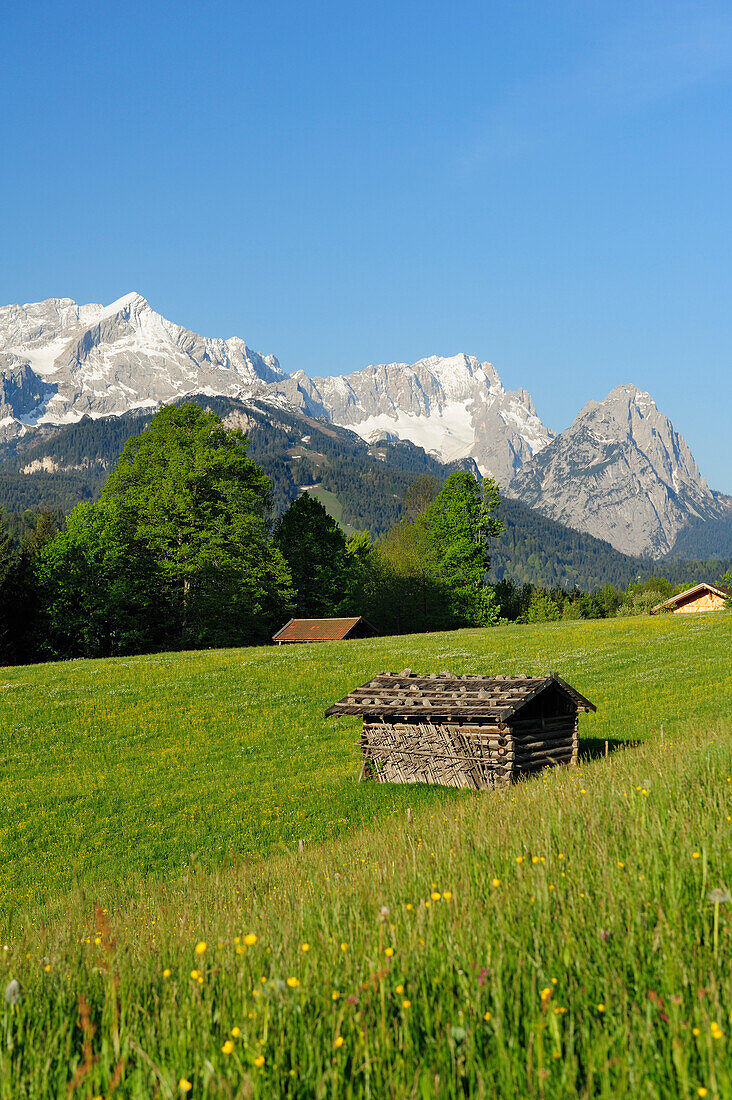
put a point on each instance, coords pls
(568, 936)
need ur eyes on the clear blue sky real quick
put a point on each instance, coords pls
(545, 185)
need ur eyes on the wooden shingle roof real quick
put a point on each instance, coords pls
(444, 695)
(320, 630)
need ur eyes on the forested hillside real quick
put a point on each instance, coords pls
(58, 468)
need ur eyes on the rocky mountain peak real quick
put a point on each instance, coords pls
(620, 472)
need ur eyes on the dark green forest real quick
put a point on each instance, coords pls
(370, 482)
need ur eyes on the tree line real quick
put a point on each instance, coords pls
(181, 551)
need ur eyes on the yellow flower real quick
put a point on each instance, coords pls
(228, 1047)
(97, 940)
(250, 939)
(195, 975)
(487, 1017)
(240, 949)
(389, 952)
(406, 1004)
(620, 863)
(695, 855)
(545, 994)
(496, 882)
(435, 895)
(201, 947)
(236, 1032)
(334, 995)
(534, 859)
(601, 1008)
(184, 1086)
(447, 895)
(695, 1031)
(344, 947)
(47, 968)
(399, 989)
(166, 973)
(554, 981)
(259, 1061)
(293, 983)
(409, 905)
(701, 1091)
(519, 859)
(306, 947)
(560, 855)
(716, 1030)
(338, 1042)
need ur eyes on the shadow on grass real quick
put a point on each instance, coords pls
(592, 748)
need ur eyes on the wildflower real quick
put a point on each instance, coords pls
(554, 981)
(389, 952)
(620, 863)
(334, 995)
(695, 1031)
(195, 975)
(250, 939)
(534, 859)
(406, 1004)
(259, 1061)
(97, 940)
(701, 1091)
(344, 947)
(695, 855)
(201, 947)
(545, 994)
(435, 895)
(236, 1032)
(719, 897)
(13, 992)
(352, 1000)
(166, 973)
(399, 989)
(184, 1086)
(293, 982)
(409, 905)
(384, 912)
(228, 1047)
(306, 947)
(519, 859)
(601, 1008)
(487, 1016)
(716, 1030)
(338, 1042)
(447, 895)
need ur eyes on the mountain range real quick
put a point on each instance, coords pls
(620, 472)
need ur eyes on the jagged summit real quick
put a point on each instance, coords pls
(620, 472)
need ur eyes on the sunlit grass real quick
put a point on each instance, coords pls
(550, 940)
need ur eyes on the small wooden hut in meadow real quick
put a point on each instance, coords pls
(702, 597)
(463, 731)
(323, 630)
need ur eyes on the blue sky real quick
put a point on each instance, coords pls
(542, 185)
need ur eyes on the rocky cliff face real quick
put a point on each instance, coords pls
(455, 407)
(620, 472)
(72, 360)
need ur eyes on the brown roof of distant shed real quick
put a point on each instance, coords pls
(318, 630)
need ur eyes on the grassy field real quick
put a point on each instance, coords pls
(553, 940)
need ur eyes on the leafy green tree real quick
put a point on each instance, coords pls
(200, 508)
(456, 529)
(101, 589)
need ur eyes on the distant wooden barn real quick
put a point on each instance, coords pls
(702, 597)
(463, 731)
(323, 630)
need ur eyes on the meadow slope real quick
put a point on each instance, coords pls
(559, 938)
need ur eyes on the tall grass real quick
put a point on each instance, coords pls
(550, 940)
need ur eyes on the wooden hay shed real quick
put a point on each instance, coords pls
(702, 597)
(323, 630)
(463, 731)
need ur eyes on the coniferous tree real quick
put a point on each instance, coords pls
(314, 547)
